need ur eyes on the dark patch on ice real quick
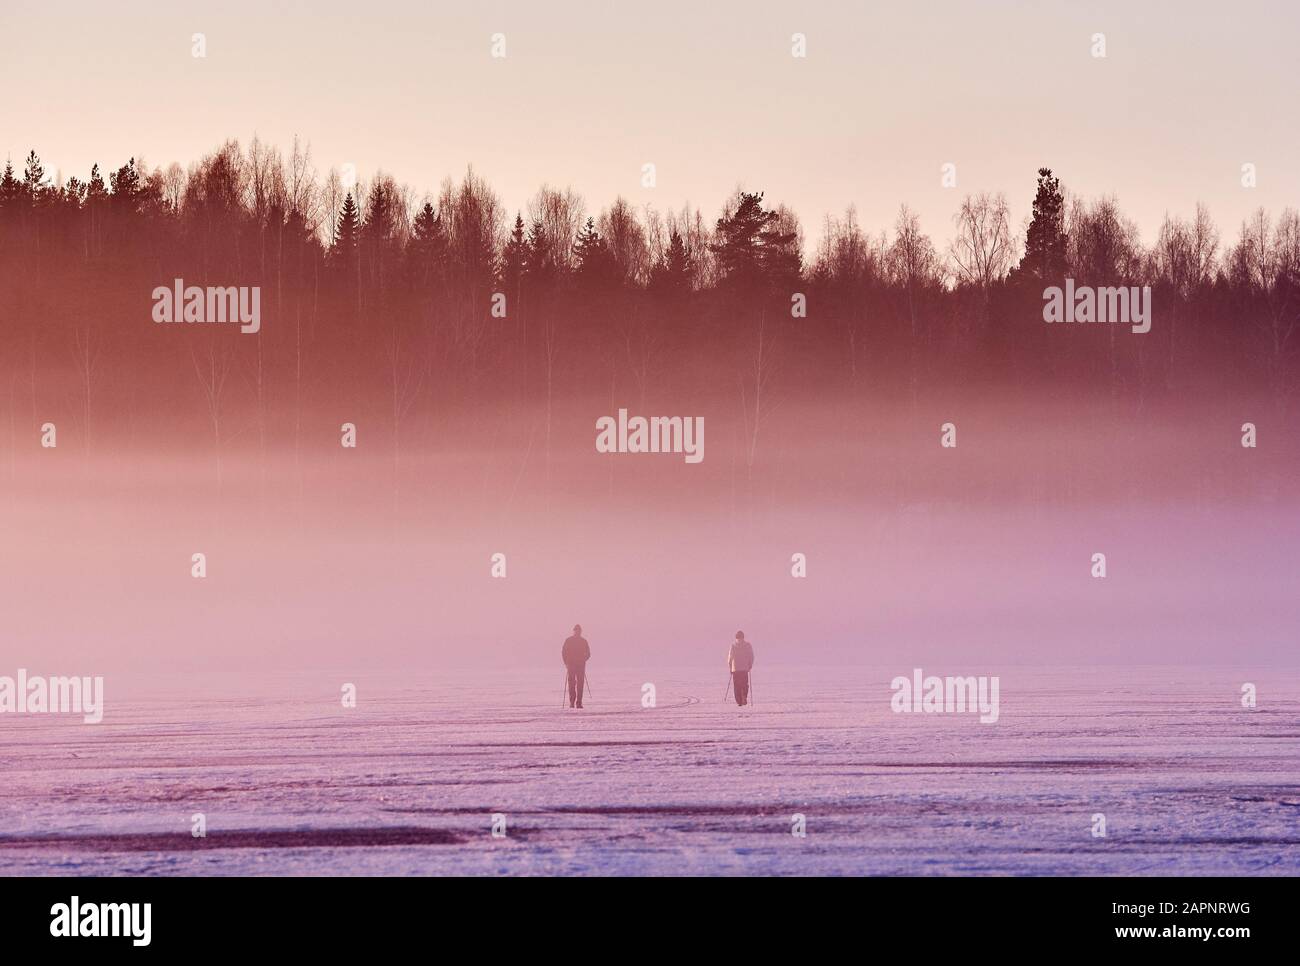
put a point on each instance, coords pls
(585, 744)
(1267, 801)
(757, 811)
(1241, 840)
(685, 810)
(1045, 764)
(238, 839)
(876, 806)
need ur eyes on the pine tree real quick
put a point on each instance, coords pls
(1046, 239)
(95, 190)
(752, 247)
(74, 192)
(125, 182)
(34, 186)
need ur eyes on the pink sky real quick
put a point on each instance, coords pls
(707, 92)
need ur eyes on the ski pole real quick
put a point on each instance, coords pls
(727, 690)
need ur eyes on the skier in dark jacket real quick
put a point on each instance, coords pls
(575, 653)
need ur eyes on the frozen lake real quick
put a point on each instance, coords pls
(290, 782)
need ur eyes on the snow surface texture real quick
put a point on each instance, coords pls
(290, 782)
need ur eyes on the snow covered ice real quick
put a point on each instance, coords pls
(290, 782)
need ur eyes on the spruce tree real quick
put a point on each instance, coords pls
(673, 273)
(346, 231)
(514, 257)
(11, 189)
(378, 228)
(539, 269)
(428, 248)
(593, 263)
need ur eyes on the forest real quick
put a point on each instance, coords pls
(379, 301)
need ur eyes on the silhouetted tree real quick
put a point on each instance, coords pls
(95, 186)
(1103, 245)
(514, 258)
(540, 270)
(346, 231)
(981, 252)
(673, 273)
(559, 213)
(11, 189)
(753, 247)
(626, 242)
(382, 230)
(125, 185)
(34, 185)
(1045, 241)
(913, 268)
(473, 217)
(593, 265)
(74, 192)
(849, 267)
(428, 249)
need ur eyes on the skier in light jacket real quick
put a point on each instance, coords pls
(740, 659)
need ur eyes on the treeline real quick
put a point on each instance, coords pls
(375, 297)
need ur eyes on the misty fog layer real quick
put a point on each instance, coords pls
(947, 463)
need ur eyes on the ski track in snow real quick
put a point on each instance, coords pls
(407, 782)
